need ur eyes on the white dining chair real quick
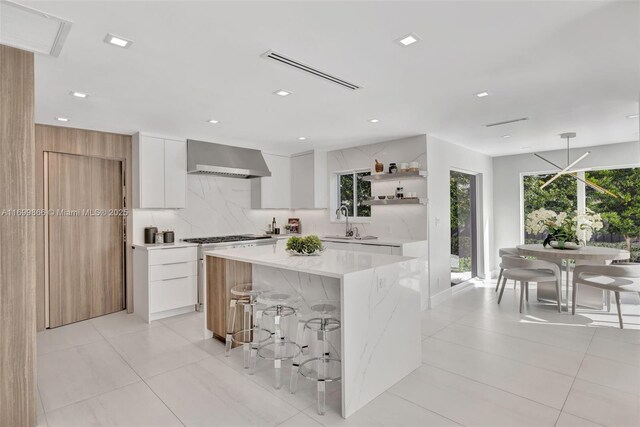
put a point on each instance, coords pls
(616, 278)
(502, 252)
(528, 271)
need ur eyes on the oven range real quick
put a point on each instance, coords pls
(222, 242)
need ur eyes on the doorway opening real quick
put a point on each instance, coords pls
(464, 245)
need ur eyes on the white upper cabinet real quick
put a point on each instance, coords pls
(159, 172)
(175, 174)
(309, 180)
(273, 192)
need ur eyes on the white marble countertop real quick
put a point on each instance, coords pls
(153, 246)
(384, 241)
(332, 262)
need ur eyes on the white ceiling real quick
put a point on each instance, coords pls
(568, 65)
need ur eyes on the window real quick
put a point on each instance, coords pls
(352, 191)
(620, 215)
(462, 191)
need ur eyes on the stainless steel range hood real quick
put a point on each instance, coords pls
(225, 160)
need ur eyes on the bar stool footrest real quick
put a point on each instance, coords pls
(310, 373)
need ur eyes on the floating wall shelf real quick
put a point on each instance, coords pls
(396, 176)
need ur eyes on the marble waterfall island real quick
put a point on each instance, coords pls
(379, 295)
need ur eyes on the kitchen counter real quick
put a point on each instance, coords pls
(387, 241)
(379, 294)
(332, 263)
(153, 246)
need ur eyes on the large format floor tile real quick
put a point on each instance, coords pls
(66, 336)
(120, 323)
(70, 375)
(532, 353)
(190, 326)
(540, 385)
(209, 393)
(386, 410)
(603, 405)
(568, 420)
(615, 350)
(132, 405)
(306, 392)
(469, 402)
(156, 350)
(611, 374)
(534, 328)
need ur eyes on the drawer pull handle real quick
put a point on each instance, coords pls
(174, 263)
(175, 278)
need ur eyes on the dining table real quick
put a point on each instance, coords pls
(581, 255)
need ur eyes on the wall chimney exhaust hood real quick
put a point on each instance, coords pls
(225, 160)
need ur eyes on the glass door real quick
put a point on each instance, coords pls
(463, 227)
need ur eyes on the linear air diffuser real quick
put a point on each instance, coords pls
(275, 56)
(29, 29)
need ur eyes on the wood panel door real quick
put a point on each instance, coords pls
(85, 237)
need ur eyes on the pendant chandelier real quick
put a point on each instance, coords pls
(568, 171)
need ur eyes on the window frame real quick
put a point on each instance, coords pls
(337, 199)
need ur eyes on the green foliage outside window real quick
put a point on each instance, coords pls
(362, 191)
(621, 215)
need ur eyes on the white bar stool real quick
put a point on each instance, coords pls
(323, 367)
(279, 306)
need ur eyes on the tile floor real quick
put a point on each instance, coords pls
(484, 364)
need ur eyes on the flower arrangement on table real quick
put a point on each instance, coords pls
(564, 231)
(310, 245)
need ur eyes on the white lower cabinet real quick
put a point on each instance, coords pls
(165, 281)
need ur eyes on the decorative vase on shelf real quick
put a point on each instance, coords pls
(379, 168)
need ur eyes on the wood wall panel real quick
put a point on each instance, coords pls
(222, 275)
(87, 143)
(17, 240)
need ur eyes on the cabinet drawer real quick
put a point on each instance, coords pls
(172, 255)
(172, 270)
(172, 293)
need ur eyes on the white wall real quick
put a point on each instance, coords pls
(442, 157)
(508, 171)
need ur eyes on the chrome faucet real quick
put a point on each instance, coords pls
(348, 230)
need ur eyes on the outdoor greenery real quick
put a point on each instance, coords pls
(461, 226)
(363, 192)
(621, 215)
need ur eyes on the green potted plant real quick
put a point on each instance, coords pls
(305, 246)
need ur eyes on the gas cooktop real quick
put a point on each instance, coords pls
(223, 239)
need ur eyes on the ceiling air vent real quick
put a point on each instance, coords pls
(275, 56)
(522, 119)
(29, 29)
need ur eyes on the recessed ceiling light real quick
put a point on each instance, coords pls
(482, 94)
(213, 121)
(506, 136)
(633, 116)
(373, 120)
(62, 119)
(117, 41)
(525, 148)
(408, 40)
(282, 92)
(79, 94)
(302, 138)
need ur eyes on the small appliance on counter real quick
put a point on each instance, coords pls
(150, 235)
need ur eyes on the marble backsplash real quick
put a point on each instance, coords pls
(221, 206)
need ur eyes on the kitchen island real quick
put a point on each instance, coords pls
(379, 298)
